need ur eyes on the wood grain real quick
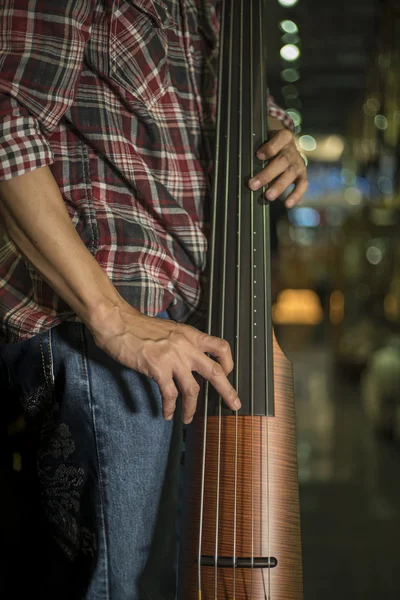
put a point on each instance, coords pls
(267, 502)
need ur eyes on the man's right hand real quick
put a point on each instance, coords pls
(165, 350)
(36, 219)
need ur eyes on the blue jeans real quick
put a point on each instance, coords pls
(108, 467)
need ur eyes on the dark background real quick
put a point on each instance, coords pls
(342, 245)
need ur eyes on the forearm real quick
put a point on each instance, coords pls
(35, 218)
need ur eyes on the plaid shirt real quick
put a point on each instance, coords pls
(118, 98)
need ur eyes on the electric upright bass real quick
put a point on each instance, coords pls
(241, 529)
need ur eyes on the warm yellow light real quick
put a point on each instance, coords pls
(336, 307)
(290, 52)
(391, 307)
(327, 148)
(297, 307)
(353, 196)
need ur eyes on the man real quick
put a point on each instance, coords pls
(107, 116)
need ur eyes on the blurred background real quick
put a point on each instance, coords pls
(335, 66)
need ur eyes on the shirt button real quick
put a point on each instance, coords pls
(191, 49)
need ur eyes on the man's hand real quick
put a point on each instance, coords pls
(166, 351)
(285, 166)
(36, 219)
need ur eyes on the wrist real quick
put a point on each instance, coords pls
(107, 317)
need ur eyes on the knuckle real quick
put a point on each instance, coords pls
(224, 346)
(193, 391)
(217, 369)
(155, 374)
(203, 337)
(289, 135)
(274, 149)
(285, 161)
(170, 397)
(205, 341)
(178, 335)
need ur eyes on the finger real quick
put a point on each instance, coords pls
(277, 166)
(271, 148)
(169, 395)
(298, 192)
(219, 349)
(213, 372)
(190, 390)
(281, 184)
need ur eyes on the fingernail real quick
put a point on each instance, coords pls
(271, 195)
(255, 184)
(188, 421)
(261, 156)
(237, 404)
(169, 418)
(289, 204)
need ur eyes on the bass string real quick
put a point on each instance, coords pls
(267, 280)
(223, 295)
(210, 306)
(238, 283)
(253, 275)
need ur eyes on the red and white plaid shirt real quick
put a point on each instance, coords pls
(118, 98)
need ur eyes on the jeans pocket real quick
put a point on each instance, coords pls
(28, 366)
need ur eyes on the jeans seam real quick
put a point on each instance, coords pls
(103, 523)
(50, 353)
(48, 370)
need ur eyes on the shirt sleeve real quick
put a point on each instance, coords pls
(276, 111)
(42, 43)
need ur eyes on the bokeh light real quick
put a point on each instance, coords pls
(290, 75)
(295, 116)
(308, 143)
(290, 52)
(381, 122)
(288, 26)
(287, 3)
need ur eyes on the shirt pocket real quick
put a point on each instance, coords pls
(138, 50)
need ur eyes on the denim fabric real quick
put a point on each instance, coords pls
(102, 464)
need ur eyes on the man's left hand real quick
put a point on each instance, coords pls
(285, 167)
